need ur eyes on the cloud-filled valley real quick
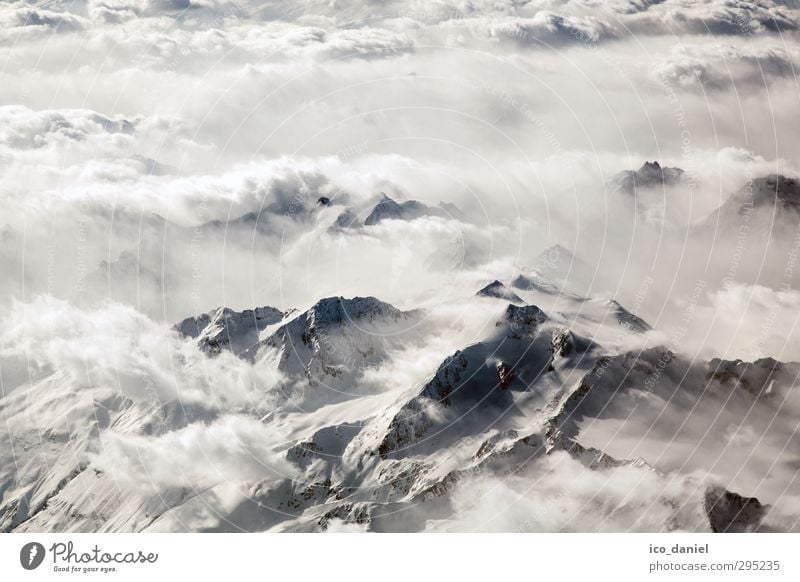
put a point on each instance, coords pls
(399, 266)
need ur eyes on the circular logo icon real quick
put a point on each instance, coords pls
(31, 555)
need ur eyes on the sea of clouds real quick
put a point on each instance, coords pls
(160, 159)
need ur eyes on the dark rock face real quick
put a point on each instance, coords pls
(338, 338)
(650, 175)
(757, 377)
(409, 210)
(522, 320)
(731, 513)
(776, 190)
(628, 319)
(347, 219)
(505, 374)
(762, 197)
(226, 329)
(497, 290)
(565, 343)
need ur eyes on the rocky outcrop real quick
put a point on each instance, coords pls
(732, 513)
(337, 339)
(226, 329)
(650, 175)
(496, 290)
(388, 209)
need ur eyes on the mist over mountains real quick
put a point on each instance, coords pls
(399, 266)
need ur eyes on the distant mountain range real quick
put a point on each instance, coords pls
(542, 384)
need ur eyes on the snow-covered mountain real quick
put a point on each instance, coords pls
(354, 413)
(324, 350)
(226, 329)
(549, 387)
(399, 266)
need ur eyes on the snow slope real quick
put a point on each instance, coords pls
(545, 391)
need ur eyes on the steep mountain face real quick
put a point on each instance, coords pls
(690, 416)
(478, 382)
(335, 341)
(42, 423)
(346, 219)
(388, 209)
(48, 478)
(650, 175)
(785, 192)
(731, 513)
(753, 231)
(226, 329)
(774, 190)
(543, 396)
(769, 202)
(497, 290)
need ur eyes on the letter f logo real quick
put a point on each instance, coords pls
(31, 555)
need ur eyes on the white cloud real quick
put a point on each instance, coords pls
(117, 347)
(565, 496)
(728, 67)
(115, 11)
(19, 22)
(130, 125)
(540, 30)
(232, 449)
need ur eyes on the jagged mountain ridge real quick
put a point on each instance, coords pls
(388, 208)
(511, 404)
(226, 329)
(498, 290)
(649, 175)
(768, 202)
(336, 340)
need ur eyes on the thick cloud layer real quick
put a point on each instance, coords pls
(161, 159)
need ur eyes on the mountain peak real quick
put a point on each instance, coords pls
(336, 340)
(776, 189)
(340, 309)
(649, 175)
(346, 219)
(498, 290)
(388, 209)
(523, 320)
(730, 512)
(773, 192)
(227, 329)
